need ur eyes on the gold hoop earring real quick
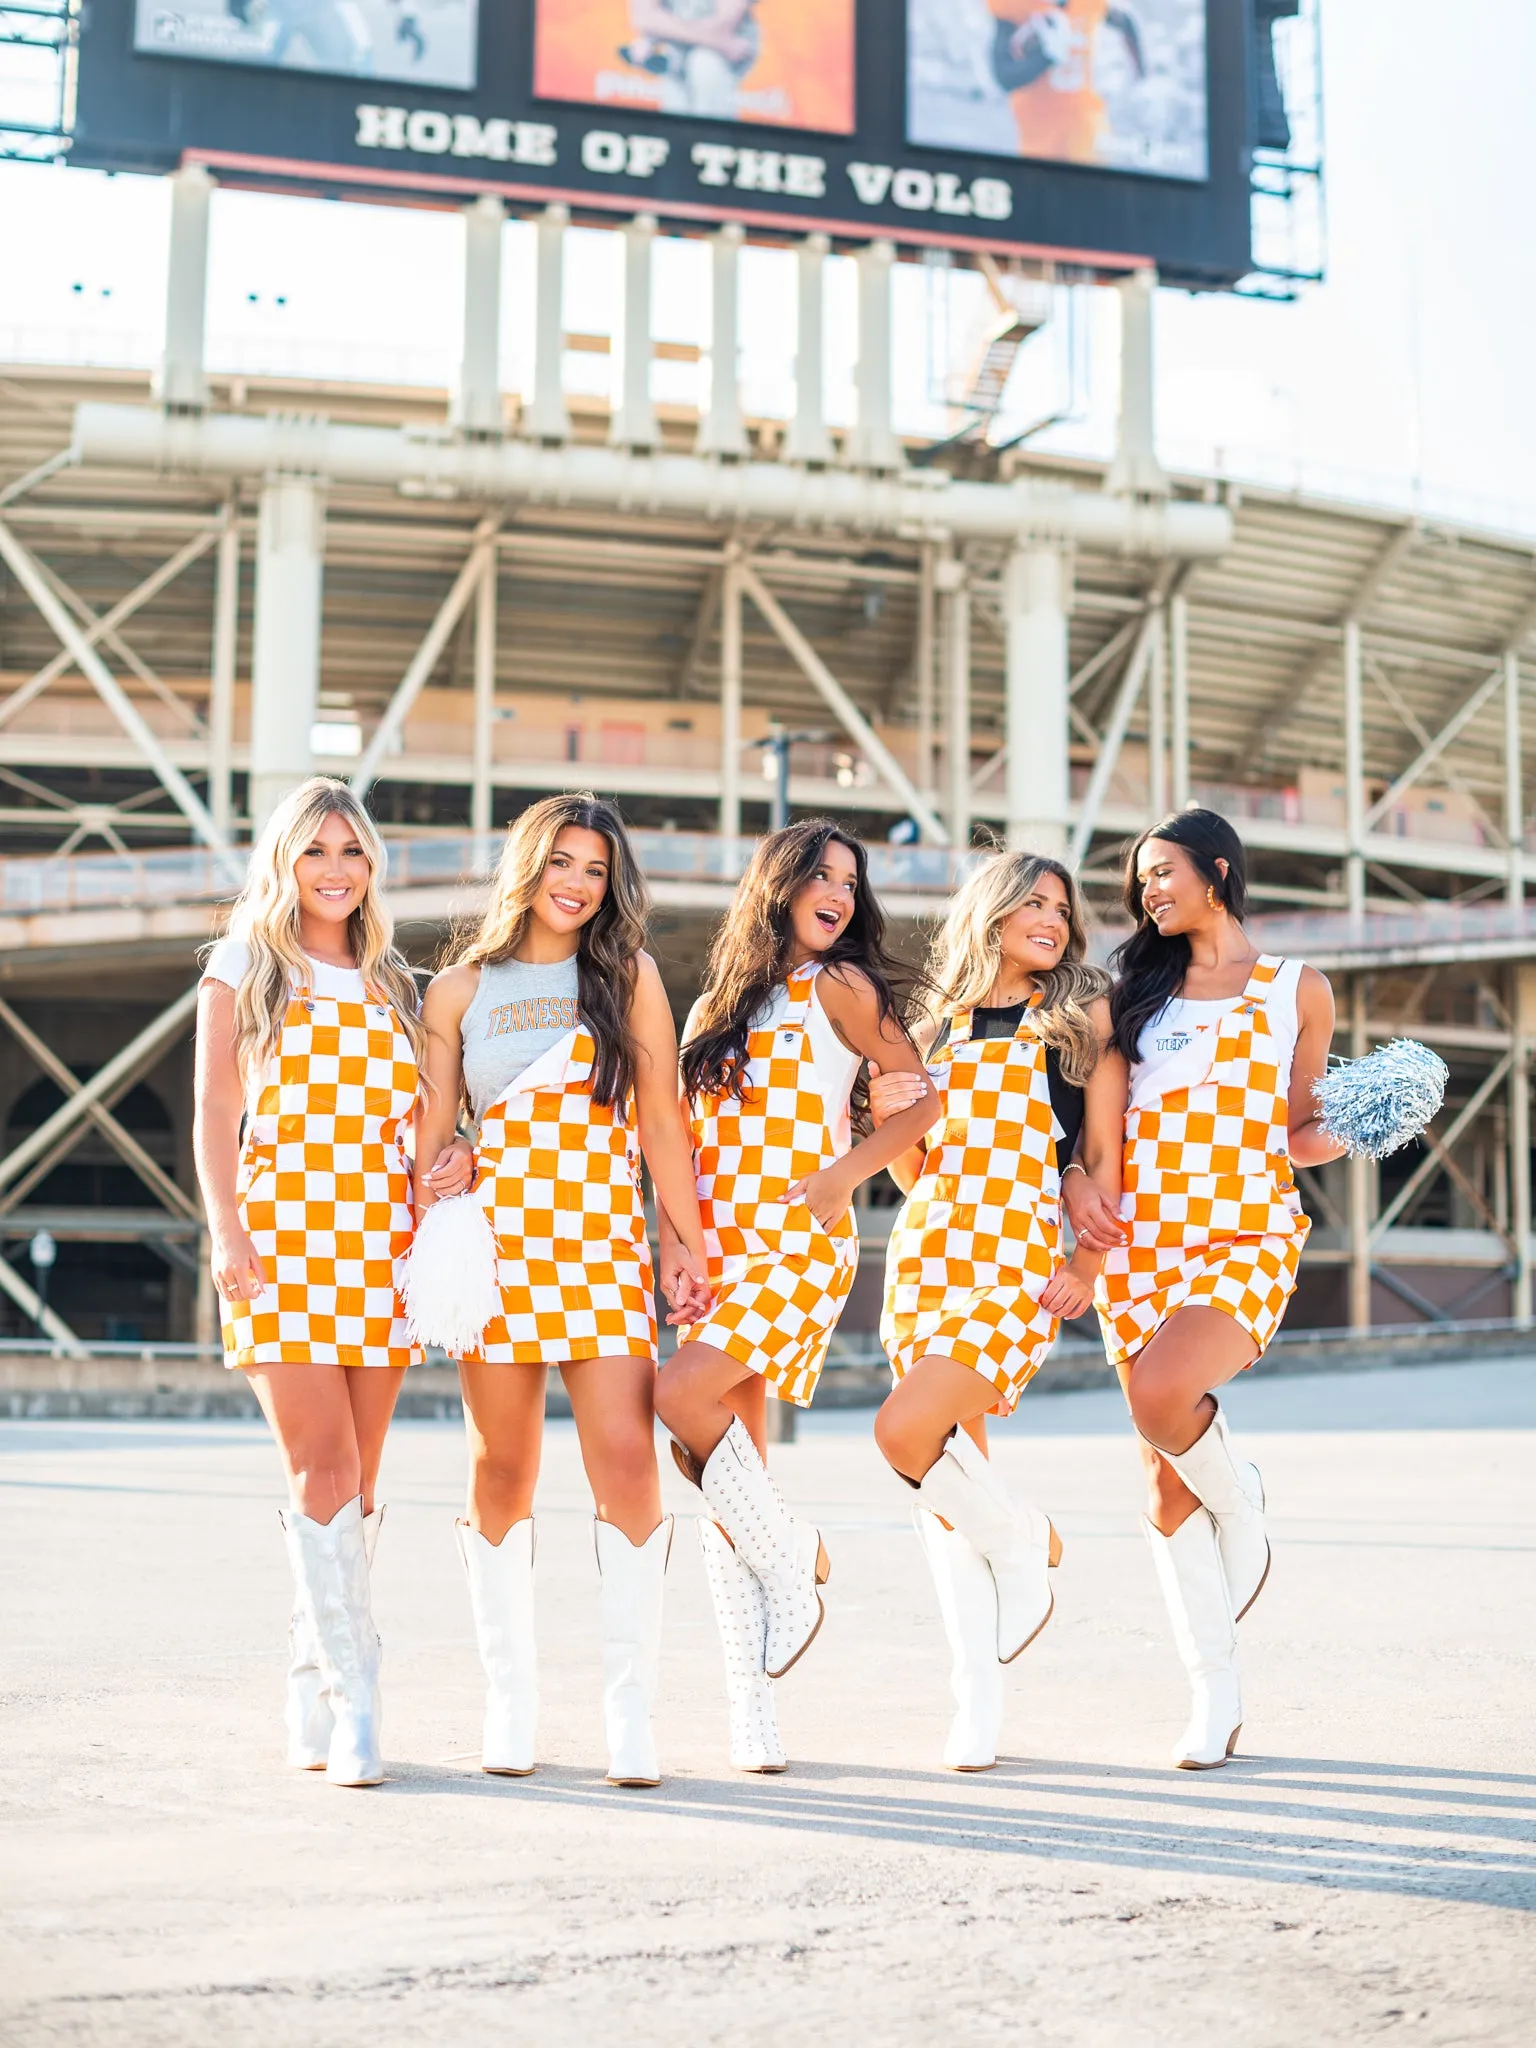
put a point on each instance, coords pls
(1210, 896)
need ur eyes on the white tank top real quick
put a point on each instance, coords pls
(1180, 1018)
(836, 1067)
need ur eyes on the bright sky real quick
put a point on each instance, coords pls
(1403, 379)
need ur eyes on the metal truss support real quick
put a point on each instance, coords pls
(1136, 471)
(1037, 601)
(1519, 1123)
(873, 443)
(923, 669)
(545, 417)
(1361, 1179)
(807, 439)
(483, 768)
(1157, 715)
(634, 415)
(1114, 734)
(730, 696)
(1430, 754)
(955, 588)
(476, 403)
(721, 428)
(1355, 820)
(1178, 679)
(181, 385)
(285, 658)
(47, 1319)
(1514, 778)
(1430, 1164)
(703, 626)
(221, 686)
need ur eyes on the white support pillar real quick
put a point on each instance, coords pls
(1354, 771)
(634, 419)
(1520, 1138)
(285, 660)
(1514, 779)
(181, 383)
(476, 403)
(1361, 1181)
(545, 417)
(730, 699)
(1136, 471)
(1178, 675)
(1157, 715)
(1037, 597)
(721, 428)
(807, 439)
(483, 766)
(923, 664)
(221, 689)
(955, 587)
(873, 443)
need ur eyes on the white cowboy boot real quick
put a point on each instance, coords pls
(306, 1712)
(632, 1576)
(1194, 1586)
(330, 1564)
(501, 1595)
(1018, 1542)
(968, 1608)
(741, 1614)
(1234, 1493)
(786, 1556)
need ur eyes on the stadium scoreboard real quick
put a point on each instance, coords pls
(1101, 134)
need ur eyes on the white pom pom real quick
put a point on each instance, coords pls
(448, 1277)
(1378, 1104)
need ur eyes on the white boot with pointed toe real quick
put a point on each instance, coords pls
(741, 1614)
(501, 1596)
(1194, 1587)
(307, 1712)
(632, 1575)
(1018, 1542)
(1234, 1494)
(330, 1566)
(968, 1608)
(786, 1557)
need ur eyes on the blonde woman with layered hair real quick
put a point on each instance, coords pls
(553, 1022)
(1016, 1039)
(308, 1043)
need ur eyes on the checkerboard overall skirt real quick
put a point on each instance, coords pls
(1208, 1191)
(324, 1191)
(558, 1175)
(780, 1280)
(980, 1234)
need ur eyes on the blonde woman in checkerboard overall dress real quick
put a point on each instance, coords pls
(976, 1275)
(555, 1023)
(1224, 1047)
(307, 1033)
(800, 993)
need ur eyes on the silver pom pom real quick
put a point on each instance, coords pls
(1378, 1104)
(448, 1277)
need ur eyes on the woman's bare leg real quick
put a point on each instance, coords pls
(1168, 1391)
(922, 1409)
(330, 1431)
(693, 1396)
(748, 1401)
(504, 1422)
(612, 1401)
(373, 1395)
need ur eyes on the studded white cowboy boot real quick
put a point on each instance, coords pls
(632, 1575)
(968, 1609)
(330, 1566)
(306, 1711)
(1018, 1542)
(785, 1556)
(1234, 1494)
(501, 1596)
(1194, 1586)
(741, 1614)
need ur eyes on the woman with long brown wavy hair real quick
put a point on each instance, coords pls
(800, 994)
(554, 1023)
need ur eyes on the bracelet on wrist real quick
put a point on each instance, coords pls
(1072, 1166)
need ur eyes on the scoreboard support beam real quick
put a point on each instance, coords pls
(545, 417)
(476, 405)
(1136, 471)
(721, 428)
(181, 384)
(874, 444)
(634, 420)
(285, 658)
(807, 439)
(1037, 603)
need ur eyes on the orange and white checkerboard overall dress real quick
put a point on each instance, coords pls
(980, 1233)
(558, 1175)
(1208, 1190)
(325, 1191)
(780, 1279)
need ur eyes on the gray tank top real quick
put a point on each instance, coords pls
(518, 1012)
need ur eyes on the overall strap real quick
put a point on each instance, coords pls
(800, 982)
(959, 1029)
(1265, 968)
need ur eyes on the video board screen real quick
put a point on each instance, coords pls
(1119, 86)
(423, 42)
(786, 62)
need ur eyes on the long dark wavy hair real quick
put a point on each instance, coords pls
(1149, 969)
(753, 948)
(607, 952)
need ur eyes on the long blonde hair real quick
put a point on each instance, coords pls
(967, 954)
(608, 947)
(266, 916)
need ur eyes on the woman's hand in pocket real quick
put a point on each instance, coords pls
(826, 1194)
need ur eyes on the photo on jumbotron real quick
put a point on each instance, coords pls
(422, 42)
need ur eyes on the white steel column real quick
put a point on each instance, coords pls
(1178, 673)
(923, 661)
(873, 443)
(807, 439)
(476, 405)
(180, 383)
(1354, 770)
(955, 586)
(721, 429)
(1520, 1138)
(221, 689)
(1136, 471)
(1361, 1181)
(1157, 714)
(483, 770)
(730, 699)
(545, 417)
(1036, 586)
(1514, 779)
(285, 658)
(634, 419)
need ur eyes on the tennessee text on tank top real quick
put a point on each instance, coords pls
(517, 1014)
(1167, 1034)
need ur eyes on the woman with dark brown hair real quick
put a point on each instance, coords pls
(800, 994)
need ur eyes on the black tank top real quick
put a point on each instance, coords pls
(1066, 1096)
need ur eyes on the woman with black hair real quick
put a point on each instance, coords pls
(1225, 1046)
(800, 993)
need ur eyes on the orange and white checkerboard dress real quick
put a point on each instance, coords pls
(325, 1191)
(558, 1175)
(1208, 1190)
(780, 1279)
(980, 1234)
